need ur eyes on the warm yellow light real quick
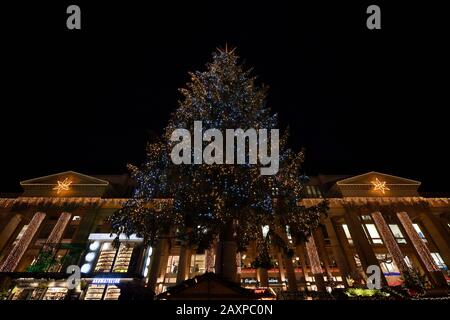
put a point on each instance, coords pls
(380, 186)
(63, 185)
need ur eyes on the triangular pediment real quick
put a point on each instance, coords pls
(75, 177)
(65, 184)
(378, 184)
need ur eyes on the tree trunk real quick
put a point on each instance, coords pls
(226, 254)
(263, 277)
(290, 273)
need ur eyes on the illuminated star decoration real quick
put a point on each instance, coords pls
(63, 186)
(379, 186)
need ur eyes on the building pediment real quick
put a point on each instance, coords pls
(64, 184)
(376, 184)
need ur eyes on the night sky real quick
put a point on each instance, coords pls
(358, 100)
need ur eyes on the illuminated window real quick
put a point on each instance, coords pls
(172, 264)
(106, 258)
(111, 258)
(373, 233)
(123, 257)
(398, 235)
(386, 263)
(408, 262)
(419, 232)
(198, 263)
(439, 261)
(366, 218)
(347, 233)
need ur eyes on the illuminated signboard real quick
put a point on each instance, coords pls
(106, 280)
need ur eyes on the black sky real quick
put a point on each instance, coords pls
(358, 100)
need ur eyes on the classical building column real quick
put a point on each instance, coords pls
(314, 262)
(323, 254)
(337, 250)
(389, 241)
(9, 230)
(209, 259)
(422, 251)
(159, 257)
(15, 255)
(362, 245)
(301, 254)
(439, 234)
(183, 263)
(58, 230)
(284, 259)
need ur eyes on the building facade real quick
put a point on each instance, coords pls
(61, 220)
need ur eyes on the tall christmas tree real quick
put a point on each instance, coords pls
(222, 204)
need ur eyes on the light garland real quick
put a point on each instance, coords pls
(421, 248)
(313, 256)
(389, 241)
(15, 255)
(58, 229)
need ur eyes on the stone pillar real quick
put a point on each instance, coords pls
(439, 234)
(9, 229)
(320, 242)
(337, 251)
(58, 230)
(159, 252)
(15, 255)
(209, 259)
(361, 243)
(389, 241)
(314, 262)
(301, 255)
(183, 265)
(422, 251)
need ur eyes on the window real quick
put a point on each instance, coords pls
(419, 232)
(347, 233)
(387, 264)
(366, 218)
(439, 261)
(172, 264)
(123, 257)
(408, 262)
(198, 263)
(313, 191)
(373, 233)
(106, 258)
(398, 235)
(111, 258)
